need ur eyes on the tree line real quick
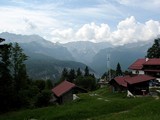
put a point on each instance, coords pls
(81, 78)
(114, 73)
(16, 89)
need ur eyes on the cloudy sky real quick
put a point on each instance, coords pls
(116, 21)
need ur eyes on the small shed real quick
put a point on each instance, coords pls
(65, 90)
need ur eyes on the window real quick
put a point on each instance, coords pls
(137, 72)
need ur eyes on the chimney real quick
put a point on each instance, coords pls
(147, 59)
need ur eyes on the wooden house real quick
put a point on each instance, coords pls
(144, 71)
(139, 84)
(65, 90)
(147, 66)
(136, 84)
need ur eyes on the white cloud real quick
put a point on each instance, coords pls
(102, 32)
(93, 32)
(152, 5)
(24, 21)
(127, 23)
(62, 35)
(88, 32)
(67, 24)
(128, 31)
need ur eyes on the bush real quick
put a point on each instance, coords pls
(43, 98)
(40, 84)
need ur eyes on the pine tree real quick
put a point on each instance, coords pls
(86, 71)
(18, 67)
(6, 83)
(79, 73)
(49, 84)
(64, 75)
(72, 75)
(154, 51)
(118, 70)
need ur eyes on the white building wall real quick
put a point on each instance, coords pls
(133, 72)
(158, 79)
(141, 72)
(137, 72)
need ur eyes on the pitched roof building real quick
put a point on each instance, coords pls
(147, 66)
(140, 63)
(136, 84)
(139, 84)
(143, 71)
(65, 90)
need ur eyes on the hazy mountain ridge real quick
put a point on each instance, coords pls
(86, 49)
(37, 44)
(45, 59)
(45, 67)
(125, 55)
(92, 54)
(95, 54)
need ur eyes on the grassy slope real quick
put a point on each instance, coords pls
(102, 106)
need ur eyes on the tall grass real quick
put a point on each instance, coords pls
(97, 105)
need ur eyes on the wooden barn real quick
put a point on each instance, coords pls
(139, 84)
(65, 90)
(136, 84)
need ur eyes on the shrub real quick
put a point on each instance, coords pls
(43, 98)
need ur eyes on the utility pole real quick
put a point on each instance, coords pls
(108, 67)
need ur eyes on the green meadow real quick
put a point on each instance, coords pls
(98, 105)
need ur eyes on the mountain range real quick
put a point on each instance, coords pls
(47, 59)
(84, 51)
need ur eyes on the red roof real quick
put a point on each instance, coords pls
(62, 88)
(153, 61)
(138, 79)
(138, 64)
(121, 80)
